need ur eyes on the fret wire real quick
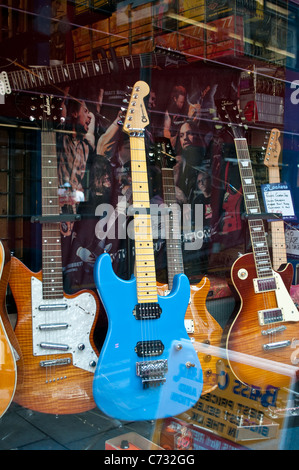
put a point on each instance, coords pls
(256, 227)
(174, 251)
(24, 79)
(145, 273)
(51, 237)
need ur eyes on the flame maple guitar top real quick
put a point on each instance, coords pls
(207, 330)
(8, 367)
(245, 334)
(61, 389)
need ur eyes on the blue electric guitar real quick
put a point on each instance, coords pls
(148, 368)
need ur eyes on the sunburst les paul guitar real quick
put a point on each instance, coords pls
(202, 328)
(54, 330)
(148, 367)
(266, 328)
(8, 353)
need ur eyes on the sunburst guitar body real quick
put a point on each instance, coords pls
(262, 342)
(202, 329)
(8, 366)
(265, 329)
(56, 339)
(54, 330)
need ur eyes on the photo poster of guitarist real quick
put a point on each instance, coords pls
(94, 169)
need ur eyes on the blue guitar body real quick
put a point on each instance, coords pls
(148, 368)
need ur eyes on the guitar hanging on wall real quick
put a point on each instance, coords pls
(201, 327)
(40, 77)
(54, 330)
(266, 327)
(148, 367)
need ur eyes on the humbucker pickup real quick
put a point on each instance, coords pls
(264, 284)
(147, 311)
(149, 348)
(266, 317)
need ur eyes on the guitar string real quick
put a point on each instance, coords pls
(50, 283)
(142, 233)
(254, 204)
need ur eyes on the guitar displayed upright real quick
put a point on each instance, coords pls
(266, 327)
(148, 367)
(201, 327)
(8, 352)
(54, 329)
(279, 250)
(271, 160)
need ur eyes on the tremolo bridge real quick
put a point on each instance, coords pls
(152, 373)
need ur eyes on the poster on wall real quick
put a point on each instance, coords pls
(183, 134)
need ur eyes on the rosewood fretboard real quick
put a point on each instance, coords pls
(51, 237)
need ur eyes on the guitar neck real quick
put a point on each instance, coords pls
(144, 250)
(256, 224)
(172, 227)
(279, 251)
(26, 79)
(51, 238)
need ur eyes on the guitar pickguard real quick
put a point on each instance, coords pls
(63, 326)
(285, 303)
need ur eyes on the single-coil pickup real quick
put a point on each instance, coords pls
(55, 362)
(53, 326)
(147, 311)
(53, 346)
(52, 307)
(149, 348)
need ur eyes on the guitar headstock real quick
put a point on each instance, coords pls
(162, 154)
(273, 149)
(136, 118)
(174, 57)
(42, 109)
(230, 114)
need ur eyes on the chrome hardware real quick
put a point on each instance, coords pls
(59, 347)
(53, 326)
(278, 329)
(46, 307)
(55, 362)
(277, 345)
